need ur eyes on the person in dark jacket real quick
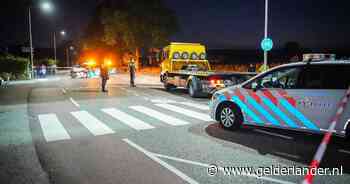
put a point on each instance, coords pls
(132, 70)
(251, 68)
(104, 76)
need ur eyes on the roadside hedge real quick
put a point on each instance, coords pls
(16, 67)
(47, 62)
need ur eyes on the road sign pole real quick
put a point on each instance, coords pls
(266, 33)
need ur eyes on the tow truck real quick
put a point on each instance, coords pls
(186, 65)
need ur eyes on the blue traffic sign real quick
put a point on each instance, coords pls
(267, 44)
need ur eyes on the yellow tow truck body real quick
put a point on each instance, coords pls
(186, 65)
(174, 64)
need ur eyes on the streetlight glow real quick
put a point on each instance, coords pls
(63, 33)
(46, 6)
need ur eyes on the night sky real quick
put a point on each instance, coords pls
(219, 24)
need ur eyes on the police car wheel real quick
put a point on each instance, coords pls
(230, 117)
(347, 133)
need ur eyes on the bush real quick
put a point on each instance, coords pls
(16, 67)
(47, 62)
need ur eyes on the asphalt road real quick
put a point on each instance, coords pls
(67, 131)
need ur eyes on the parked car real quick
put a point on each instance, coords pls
(78, 72)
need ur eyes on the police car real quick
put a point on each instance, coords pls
(300, 96)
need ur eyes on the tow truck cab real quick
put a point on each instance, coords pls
(186, 65)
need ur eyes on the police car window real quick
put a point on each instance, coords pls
(336, 77)
(312, 78)
(282, 78)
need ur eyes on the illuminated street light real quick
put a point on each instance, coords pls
(46, 6)
(63, 33)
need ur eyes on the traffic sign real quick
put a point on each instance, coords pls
(266, 44)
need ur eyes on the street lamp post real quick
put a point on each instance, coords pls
(54, 46)
(46, 6)
(31, 43)
(266, 31)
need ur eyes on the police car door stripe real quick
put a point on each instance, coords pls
(298, 114)
(262, 111)
(254, 95)
(189, 113)
(277, 111)
(160, 116)
(52, 129)
(239, 94)
(246, 109)
(270, 96)
(95, 126)
(285, 95)
(127, 119)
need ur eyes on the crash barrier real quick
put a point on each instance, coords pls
(4, 82)
(315, 163)
(50, 71)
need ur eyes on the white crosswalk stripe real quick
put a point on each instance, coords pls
(52, 129)
(160, 116)
(196, 105)
(190, 113)
(127, 119)
(95, 126)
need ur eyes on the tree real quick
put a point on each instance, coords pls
(292, 50)
(129, 25)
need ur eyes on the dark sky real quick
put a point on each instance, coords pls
(219, 24)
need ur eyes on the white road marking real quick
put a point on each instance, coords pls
(207, 165)
(190, 113)
(161, 162)
(344, 151)
(74, 102)
(288, 155)
(52, 129)
(95, 126)
(64, 91)
(273, 134)
(160, 116)
(127, 119)
(162, 101)
(196, 105)
(181, 160)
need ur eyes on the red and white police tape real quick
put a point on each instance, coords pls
(327, 137)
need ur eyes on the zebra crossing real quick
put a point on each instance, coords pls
(54, 130)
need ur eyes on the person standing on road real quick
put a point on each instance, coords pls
(104, 76)
(43, 71)
(132, 70)
(251, 68)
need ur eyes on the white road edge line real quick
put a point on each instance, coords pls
(273, 134)
(181, 160)
(161, 162)
(74, 102)
(207, 165)
(344, 151)
(288, 155)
